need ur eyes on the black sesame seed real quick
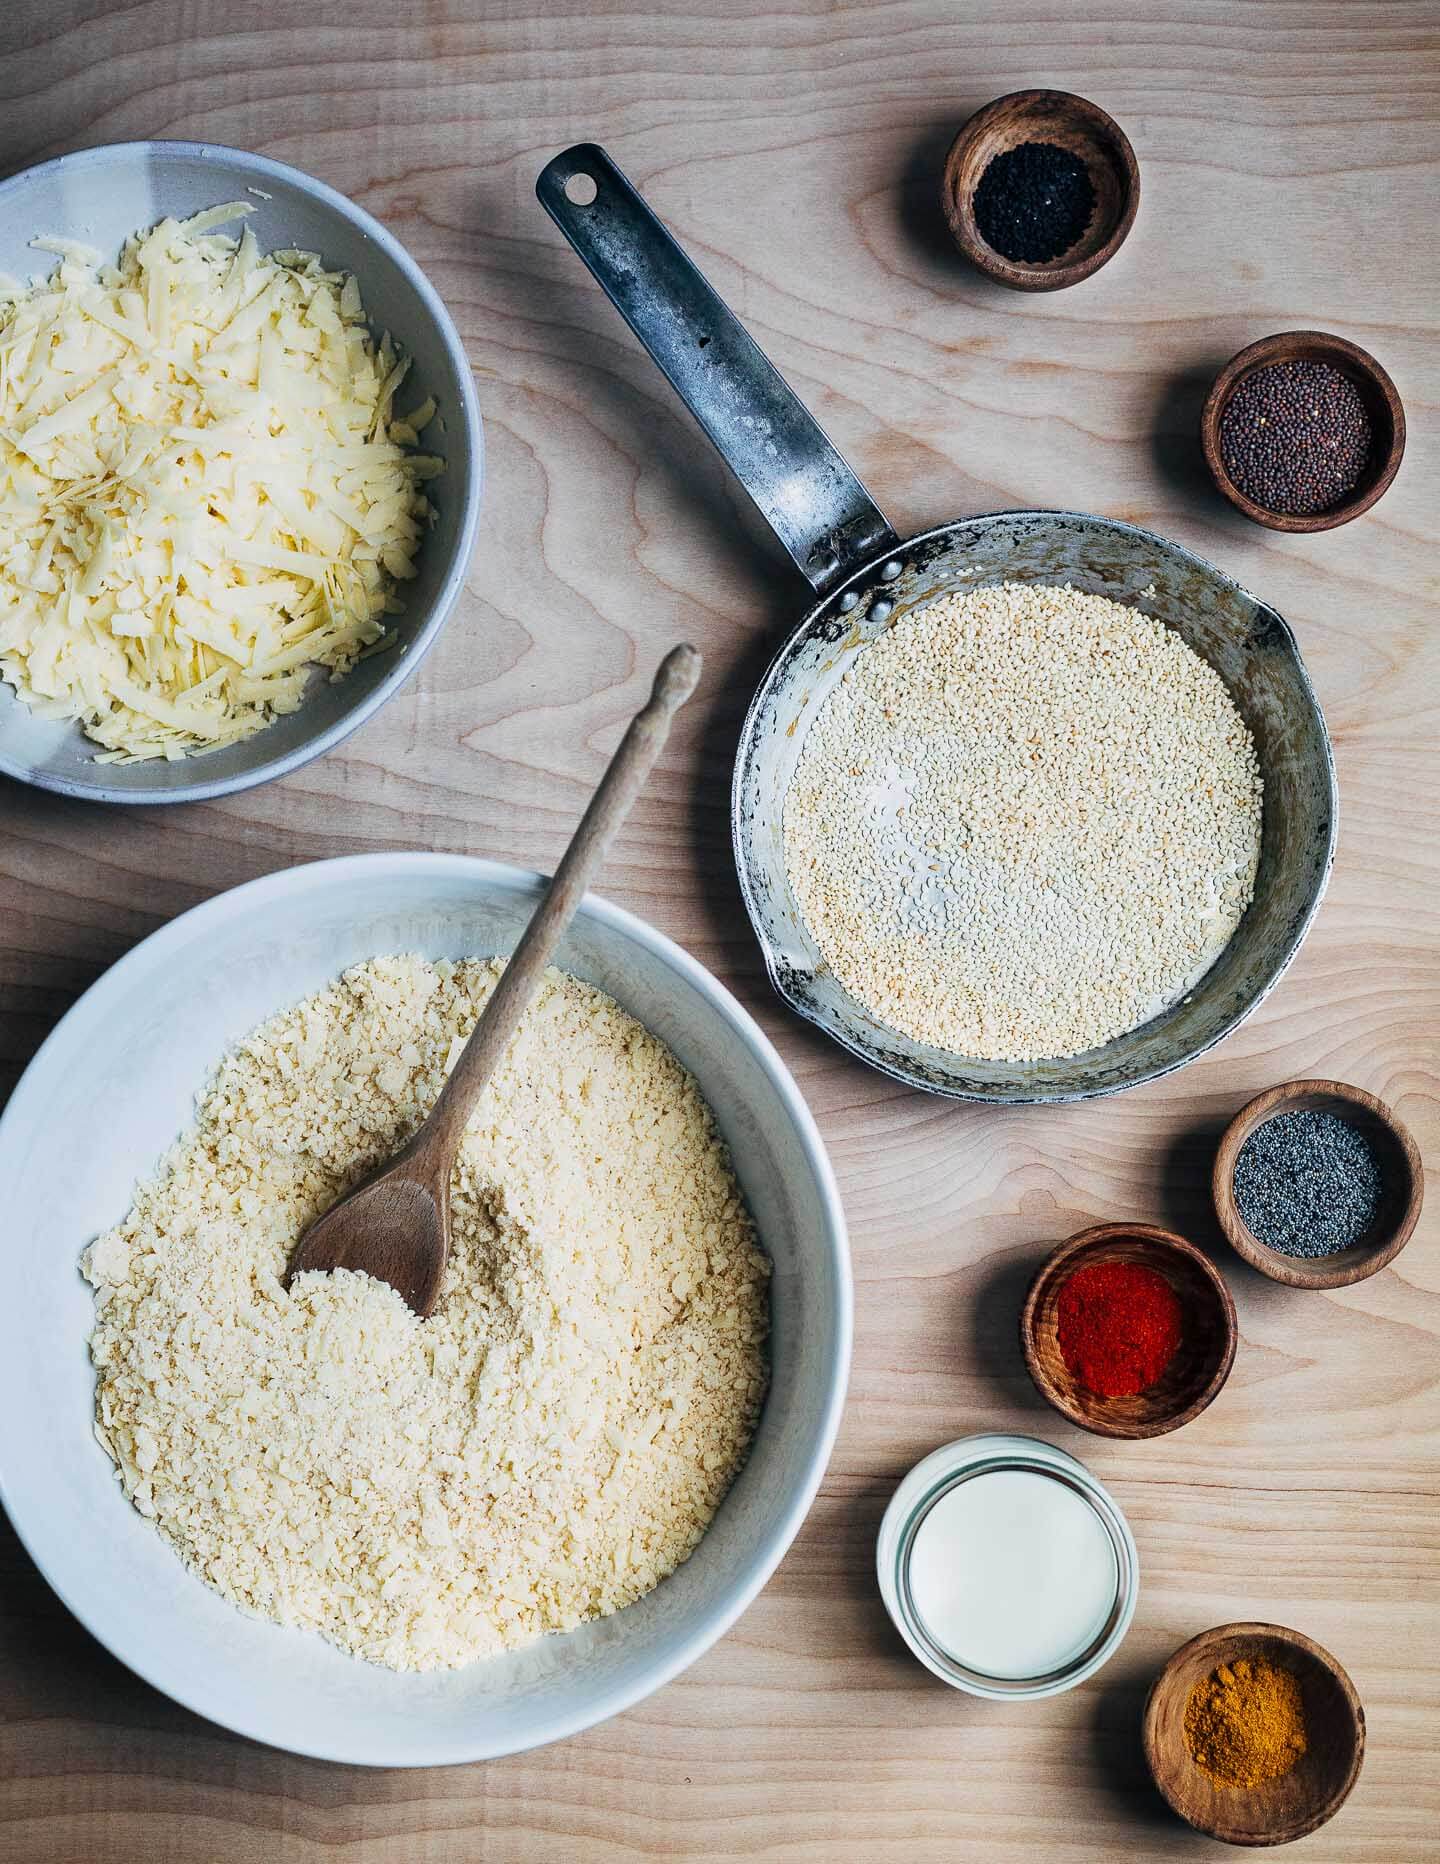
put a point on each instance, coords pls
(1033, 202)
(1295, 437)
(1308, 1184)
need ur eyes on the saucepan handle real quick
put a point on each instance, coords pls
(810, 498)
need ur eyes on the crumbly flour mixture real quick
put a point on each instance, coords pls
(547, 1446)
(1026, 821)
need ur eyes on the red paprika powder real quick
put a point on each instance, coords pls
(1120, 1325)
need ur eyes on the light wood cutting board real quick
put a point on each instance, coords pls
(1290, 155)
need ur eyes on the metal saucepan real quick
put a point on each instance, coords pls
(863, 576)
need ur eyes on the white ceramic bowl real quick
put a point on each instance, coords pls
(115, 1084)
(102, 196)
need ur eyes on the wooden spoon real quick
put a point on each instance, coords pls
(396, 1225)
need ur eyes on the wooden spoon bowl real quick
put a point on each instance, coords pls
(1072, 123)
(1376, 390)
(1279, 1810)
(1201, 1364)
(1401, 1171)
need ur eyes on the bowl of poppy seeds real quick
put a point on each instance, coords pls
(1317, 1184)
(1303, 431)
(1128, 1330)
(1040, 189)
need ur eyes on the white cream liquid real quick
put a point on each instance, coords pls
(1013, 1574)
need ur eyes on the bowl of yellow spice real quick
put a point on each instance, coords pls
(1254, 1734)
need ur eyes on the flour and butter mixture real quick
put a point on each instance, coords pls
(548, 1445)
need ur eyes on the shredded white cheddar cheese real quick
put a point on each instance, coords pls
(204, 488)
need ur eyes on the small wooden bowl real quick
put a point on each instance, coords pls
(1403, 1194)
(1193, 1377)
(1072, 123)
(1377, 391)
(1316, 1786)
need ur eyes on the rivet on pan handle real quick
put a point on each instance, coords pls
(810, 498)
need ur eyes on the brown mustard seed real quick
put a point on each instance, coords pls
(1295, 437)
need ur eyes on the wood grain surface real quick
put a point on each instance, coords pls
(1290, 152)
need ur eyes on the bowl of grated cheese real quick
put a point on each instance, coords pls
(241, 462)
(133, 1055)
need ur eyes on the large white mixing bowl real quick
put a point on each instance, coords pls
(111, 1089)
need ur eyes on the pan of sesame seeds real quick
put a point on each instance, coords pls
(1035, 806)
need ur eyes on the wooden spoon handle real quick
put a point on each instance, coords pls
(609, 806)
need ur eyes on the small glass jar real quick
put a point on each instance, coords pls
(940, 1475)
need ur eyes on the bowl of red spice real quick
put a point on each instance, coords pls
(1303, 431)
(1254, 1734)
(1128, 1330)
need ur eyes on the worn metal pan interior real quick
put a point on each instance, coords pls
(1248, 644)
(866, 579)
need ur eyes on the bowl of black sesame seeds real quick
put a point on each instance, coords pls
(1040, 189)
(1303, 431)
(1317, 1184)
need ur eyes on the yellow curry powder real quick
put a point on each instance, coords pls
(1246, 1723)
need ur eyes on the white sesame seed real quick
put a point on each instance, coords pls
(1026, 822)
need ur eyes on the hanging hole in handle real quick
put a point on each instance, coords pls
(581, 189)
